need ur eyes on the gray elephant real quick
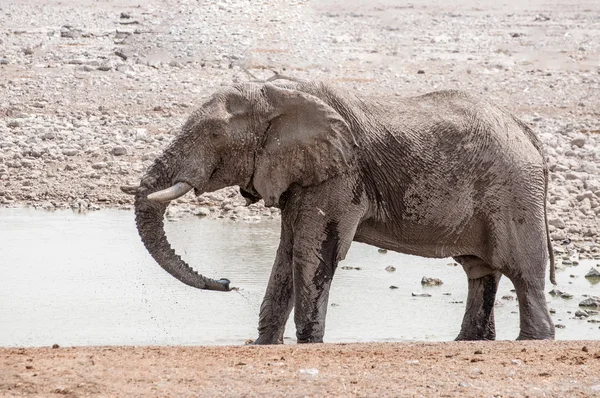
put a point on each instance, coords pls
(439, 175)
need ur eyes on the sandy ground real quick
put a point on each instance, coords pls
(478, 369)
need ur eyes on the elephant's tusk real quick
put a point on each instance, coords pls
(130, 189)
(174, 192)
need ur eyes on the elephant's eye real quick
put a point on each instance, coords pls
(214, 127)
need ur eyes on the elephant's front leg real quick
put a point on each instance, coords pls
(322, 238)
(278, 302)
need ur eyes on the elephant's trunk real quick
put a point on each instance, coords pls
(149, 217)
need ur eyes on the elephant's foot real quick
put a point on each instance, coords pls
(488, 334)
(310, 340)
(546, 336)
(266, 341)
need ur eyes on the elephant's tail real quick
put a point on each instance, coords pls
(550, 250)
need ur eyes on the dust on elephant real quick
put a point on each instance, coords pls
(444, 174)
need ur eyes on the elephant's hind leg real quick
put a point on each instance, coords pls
(522, 257)
(478, 321)
(535, 320)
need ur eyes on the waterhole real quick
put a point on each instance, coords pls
(86, 279)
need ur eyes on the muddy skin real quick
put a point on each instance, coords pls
(444, 174)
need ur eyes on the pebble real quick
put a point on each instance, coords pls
(592, 302)
(593, 273)
(425, 281)
(119, 151)
(416, 294)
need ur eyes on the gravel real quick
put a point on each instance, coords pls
(90, 95)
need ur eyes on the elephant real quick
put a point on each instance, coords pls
(444, 174)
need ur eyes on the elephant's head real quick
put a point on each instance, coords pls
(261, 137)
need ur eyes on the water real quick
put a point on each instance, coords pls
(77, 279)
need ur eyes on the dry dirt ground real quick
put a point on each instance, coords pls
(478, 369)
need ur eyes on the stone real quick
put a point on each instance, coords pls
(425, 281)
(390, 268)
(593, 302)
(416, 294)
(578, 141)
(70, 32)
(556, 222)
(201, 211)
(593, 273)
(69, 152)
(119, 151)
(99, 165)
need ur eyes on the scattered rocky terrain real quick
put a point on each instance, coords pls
(91, 92)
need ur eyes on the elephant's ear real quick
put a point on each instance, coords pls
(307, 142)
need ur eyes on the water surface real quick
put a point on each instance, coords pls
(86, 279)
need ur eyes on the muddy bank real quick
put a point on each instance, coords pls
(91, 94)
(515, 369)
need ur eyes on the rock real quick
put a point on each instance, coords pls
(69, 152)
(390, 268)
(201, 211)
(593, 302)
(383, 251)
(556, 222)
(99, 165)
(560, 326)
(555, 292)
(415, 294)
(70, 32)
(348, 268)
(119, 151)
(106, 66)
(593, 273)
(581, 314)
(393, 287)
(578, 141)
(425, 281)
